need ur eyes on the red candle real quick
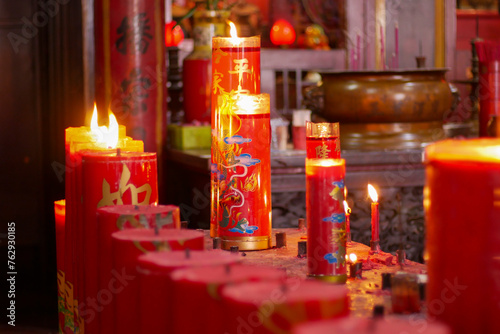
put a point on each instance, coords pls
(110, 178)
(462, 211)
(111, 219)
(375, 241)
(60, 213)
(347, 211)
(275, 307)
(386, 325)
(127, 246)
(235, 69)
(78, 139)
(299, 119)
(200, 288)
(322, 140)
(155, 286)
(243, 172)
(326, 238)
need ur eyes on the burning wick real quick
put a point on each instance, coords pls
(355, 268)
(374, 242)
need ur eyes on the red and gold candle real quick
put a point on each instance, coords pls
(127, 246)
(322, 140)
(375, 240)
(241, 155)
(110, 178)
(156, 304)
(200, 288)
(326, 232)
(276, 307)
(235, 70)
(111, 219)
(462, 212)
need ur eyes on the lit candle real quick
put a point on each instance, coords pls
(201, 288)
(156, 301)
(326, 239)
(127, 246)
(347, 211)
(322, 140)
(114, 218)
(242, 156)
(235, 69)
(462, 212)
(281, 306)
(77, 140)
(355, 267)
(375, 241)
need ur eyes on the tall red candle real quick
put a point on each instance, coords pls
(242, 154)
(110, 178)
(200, 288)
(322, 140)
(128, 245)
(276, 307)
(375, 241)
(462, 212)
(156, 304)
(236, 70)
(347, 211)
(111, 219)
(326, 233)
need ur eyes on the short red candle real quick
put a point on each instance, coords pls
(111, 219)
(462, 211)
(322, 140)
(128, 245)
(326, 234)
(386, 325)
(235, 69)
(275, 307)
(200, 289)
(110, 178)
(155, 290)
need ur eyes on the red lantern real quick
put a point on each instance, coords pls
(282, 33)
(173, 34)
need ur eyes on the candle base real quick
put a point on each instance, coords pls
(246, 243)
(339, 279)
(375, 246)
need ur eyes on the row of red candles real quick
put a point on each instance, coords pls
(162, 281)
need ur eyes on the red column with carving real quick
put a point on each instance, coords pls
(130, 72)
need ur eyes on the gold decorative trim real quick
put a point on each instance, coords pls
(338, 279)
(246, 243)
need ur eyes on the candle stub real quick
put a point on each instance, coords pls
(302, 249)
(184, 224)
(280, 239)
(217, 243)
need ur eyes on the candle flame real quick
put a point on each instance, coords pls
(353, 257)
(373, 193)
(104, 135)
(347, 209)
(233, 33)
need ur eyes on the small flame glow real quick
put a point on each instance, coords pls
(233, 33)
(104, 135)
(353, 257)
(347, 209)
(373, 193)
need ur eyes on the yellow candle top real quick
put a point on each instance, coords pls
(473, 150)
(325, 162)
